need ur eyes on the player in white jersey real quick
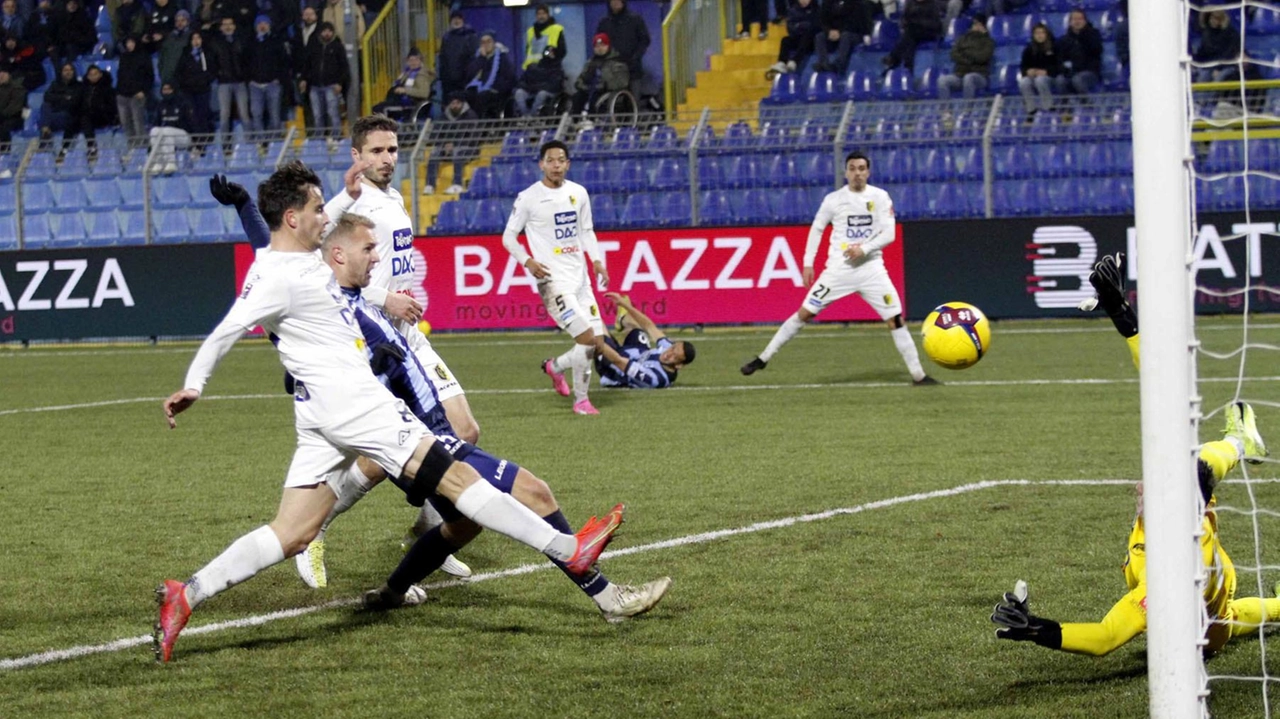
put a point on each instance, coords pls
(341, 411)
(555, 215)
(374, 144)
(862, 224)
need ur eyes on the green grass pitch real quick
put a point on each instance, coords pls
(877, 613)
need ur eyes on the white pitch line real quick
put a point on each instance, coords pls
(49, 657)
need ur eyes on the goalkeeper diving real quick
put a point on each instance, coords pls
(1230, 617)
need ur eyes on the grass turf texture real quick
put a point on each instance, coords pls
(878, 614)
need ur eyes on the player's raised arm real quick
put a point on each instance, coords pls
(820, 221)
(231, 193)
(654, 331)
(511, 239)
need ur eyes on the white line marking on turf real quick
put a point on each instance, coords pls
(32, 660)
(715, 388)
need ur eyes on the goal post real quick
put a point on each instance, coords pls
(1161, 168)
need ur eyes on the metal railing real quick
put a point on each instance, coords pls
(383, 48)
(692, 32)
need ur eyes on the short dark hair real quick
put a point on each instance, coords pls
(286, 189)
(542, 6)
(857, 155)
(689, 352)
(551, 145)
(371, 123)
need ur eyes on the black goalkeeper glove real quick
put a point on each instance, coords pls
(1020, 625)
(1108, 278)
(227, 192)
(385, 357)
(290, 385)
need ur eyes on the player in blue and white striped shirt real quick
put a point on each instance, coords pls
(650, 360)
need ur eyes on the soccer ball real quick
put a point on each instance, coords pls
(956, 335)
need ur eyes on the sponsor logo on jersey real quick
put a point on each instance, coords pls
(860, 220)
(566, 315)
(402, 239)
(248, 285)
(563, 250)
(502, 466)
(566, 218)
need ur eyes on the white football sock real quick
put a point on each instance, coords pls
(246, 556)
(491, 509)
(565, 361)
(349, 485)
(582, 371)
(789, 329)
(907, 348)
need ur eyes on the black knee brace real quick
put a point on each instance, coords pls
(427, 478)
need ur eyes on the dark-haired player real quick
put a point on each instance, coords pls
(651, 360)
(555, 216)
(862, 224)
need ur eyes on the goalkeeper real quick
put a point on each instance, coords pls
(1231, 617)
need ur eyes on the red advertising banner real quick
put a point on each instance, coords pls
(687, 276)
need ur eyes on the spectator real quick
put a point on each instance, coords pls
(410, 90)
(629, 37)
(457, 47)
(63, 109)
(12, 22)
(267, 60)
(544, 34)
(159, 24)
(604, 73)
(207, 17)
(228, 51)
(333, 13)
(173, 46)
(842, 24)
(542, 83)
(75, 33)
(492, 77)
(370, 9)
(972, 53)
(1219, 42)
(130, 20)
(1005, 7)
(1040, 67)
(197, 71)
(326, 79)
(99, 105)
(803, 26)
(134, 83)
(755, 11)
(1081, 53)
(241, 11)
(454, 141)
(172, 131)
(26, 67)
(921, 22)
(303, 38)
(13, 97)
(42, 32)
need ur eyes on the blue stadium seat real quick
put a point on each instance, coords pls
(491, 216)
(927, 85)
(710, 173)
(207, 225)
(37, 197)
(524, 174)
(885, 35)
(170, 192)
(452, 219)
(42, 166)
(1224, 156)
(245, 157)
(133, 228)
(1053, 160)
(663, 139)
(1094, 159)
(1265, 21)
(785, 89)
(751, 207)
(1115, 76)
(68, 196)
(484, 183)
(108, 163)
(967, 162)
(171, 227)
(198, 186)
(37, 231)
(1264, 155)
(791, 206)
(129, 192)
(68, 230)
(589, 143)
(951, 201)
(589, 173)
(714, 209)
(957, 27)
(897, 165)
(817, 168)
(737, 136)
(8, 199)
(515, 144)
(897, 85)
(934, 164)
(1012, 162)
(744, 171)
(671, 173)
(773, 137)
(814, 134)
(103, 227)
(1108, 22)
(1027, 198)
(911, 202)
(1005, 81)
(632, 175)
(626, 140)
(603, 212)
(75, 164)
(823, 87)
(783, 171)
(1003, 31)
(638, 212)
(1066, 196)
(674, 210)
(1103, 196)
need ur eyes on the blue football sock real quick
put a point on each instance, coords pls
(593, 582)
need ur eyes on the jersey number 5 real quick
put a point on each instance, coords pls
(560, 307)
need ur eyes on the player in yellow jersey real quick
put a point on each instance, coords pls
(1128, 617)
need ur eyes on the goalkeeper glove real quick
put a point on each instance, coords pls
(227, 192)
(1019, 624)
(290, 385)
(385, 357)
(1107, 278)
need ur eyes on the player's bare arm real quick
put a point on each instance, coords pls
(178, 403)
(602, 275)
(537, 269)
(808, 277)
(352, 179)
(402, 307)
(646, 324)
(855, 252)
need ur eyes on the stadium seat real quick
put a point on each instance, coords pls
(772, 137)
(631, 176)
(490, 216)
(822, 87)
(245, 157)
(75, 164)
(589, 143)
(637, 212)
(816, 168)
(1265, 21)
(41, 166)
(198, 186)
(671, 173)
(37, 231)
(1012, 162)
(785, 89)
(897, 165)
(1053, 160)
(934, 164)
(791, 206)
(170, 227)
(710, 173)
(737, 136)
(1093, 159)
(1005, 81)
(927, 85)
(37, 197)
(744, 171)
(626, 140)
(814, 134)
(753, 207)
(967, 162)
(1027, 198)
(1066, 196)
(1002, 31)
(783, 171)
(885, 35)
(103, 227)
(452, 219)
(108, 163)
(171, 192)
(663, 140)
(8, 199)
(206, 225)
(68, 230)
(897, 85)
(484, 183)
(1224, 156)
(1264, 155)
(950, 201)
(674, 210)
(515, 144)
(957, 27)
(911, 202)
(68, 196)
(524, 174)
(1103, 196)
(603, 212)
(714, 209)
(133, 228)
(590, 173)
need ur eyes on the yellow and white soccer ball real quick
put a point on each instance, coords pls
(956, 335)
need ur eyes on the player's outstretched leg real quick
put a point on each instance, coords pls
(174, 613)
(556, 375)
(1243, 426)
(629, 601)
(429, 519)
(785, 333)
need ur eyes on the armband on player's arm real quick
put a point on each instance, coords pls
(1013, 615)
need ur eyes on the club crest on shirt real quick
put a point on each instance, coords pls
(442, 373)
(888, 300)
(871, 206)
(573, 200)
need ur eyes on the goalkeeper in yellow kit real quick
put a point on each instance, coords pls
(1128, 618)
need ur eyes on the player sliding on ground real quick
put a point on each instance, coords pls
(341, 412)
(1230, 617)
(862, 224)
(651, 361)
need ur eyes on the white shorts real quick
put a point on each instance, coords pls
(871, 281)
(574, 309)
(447, 386)
(387, 433)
